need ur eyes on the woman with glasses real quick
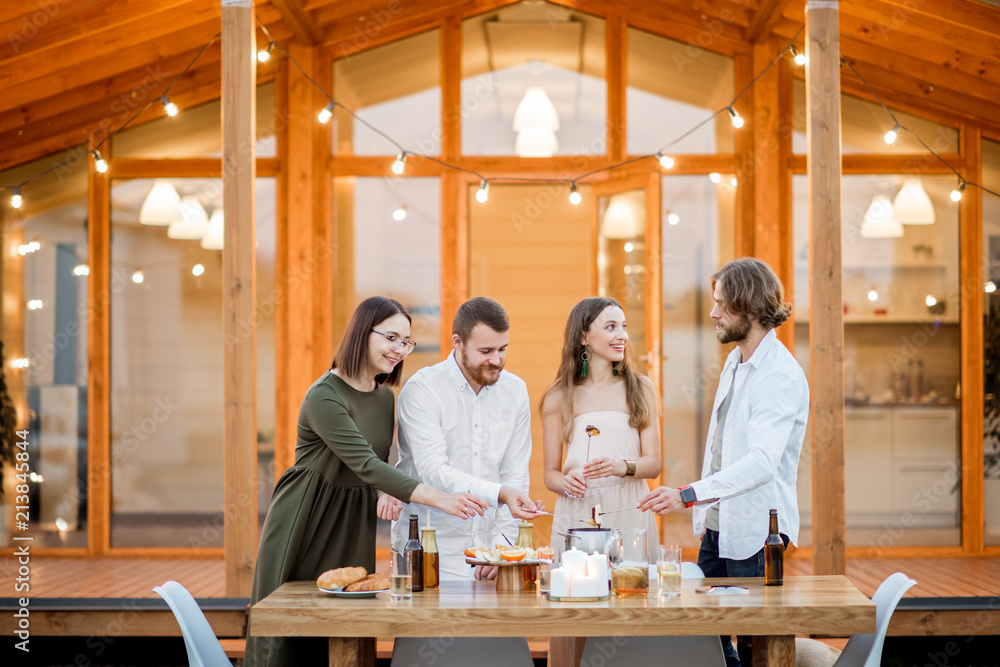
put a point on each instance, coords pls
(323, 512)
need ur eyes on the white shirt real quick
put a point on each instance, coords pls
(455, 440)
(761, 443)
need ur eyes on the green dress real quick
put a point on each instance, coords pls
(323, 511)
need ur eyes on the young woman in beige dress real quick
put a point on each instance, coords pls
(596, 386)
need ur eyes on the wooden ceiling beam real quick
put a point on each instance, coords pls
(975, 16)
(763, 20)
(298, 21)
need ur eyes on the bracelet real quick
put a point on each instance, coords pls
(629, 468)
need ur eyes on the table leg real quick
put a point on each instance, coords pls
(774, 651)
(566, 651)
(352, 652)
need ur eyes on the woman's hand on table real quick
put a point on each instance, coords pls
(604, 467)
(574, 484)
(388, 508)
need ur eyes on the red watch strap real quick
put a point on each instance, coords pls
(682, 498)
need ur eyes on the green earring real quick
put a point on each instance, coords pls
(584, 358)
(614, 368)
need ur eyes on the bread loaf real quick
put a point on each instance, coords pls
(341, 576)
(373, 582)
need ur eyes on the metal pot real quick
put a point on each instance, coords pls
(588, 539)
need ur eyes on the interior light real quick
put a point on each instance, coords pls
(912, 206)
(399, 214)
(990, 287)
(878, 221)
(629, 246)
(673, 218)
(399, 164)
(21, 362)
(193, 224)
(61, 524)
(162, 205)
(483, 193)
(930, 300)
(81, 270)
(873, 294)
(214, 238)
(734, 181)
(35, 304)
(326, 114)
(138, 277)
(198, 269)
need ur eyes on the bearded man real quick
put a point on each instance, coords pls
(465, 423)
(754, 437)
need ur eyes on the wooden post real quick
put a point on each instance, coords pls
(99, 362)
(826, 333)
(971, 308)
(743, 145)
(616, 40)
(239, 288)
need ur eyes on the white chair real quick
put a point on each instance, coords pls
(461, 651)
(653, 651)
(861, 650)
(203, 647)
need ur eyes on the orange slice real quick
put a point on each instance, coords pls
(513, 554)
(471, 552)
(546, 552)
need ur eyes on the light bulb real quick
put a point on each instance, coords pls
(21, 362)
(265, 54)
(890, 136)
(629, 246)
(81, 270)
(100, 164)
(873, 294)
(574, 195)
(399, 164)
(800, 59)
(16, 199)
(666, 161)
(326, 114)
(138, 277)
(35, 304)
(734, 181)
(673, 218)
(956, 194)
(169, 106)
(930, 300)
(715, 177)
(197, 269)
(483, 193)
(736, 118)
(399, 213)
(990, 287)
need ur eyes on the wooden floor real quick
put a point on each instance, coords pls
(135, 578)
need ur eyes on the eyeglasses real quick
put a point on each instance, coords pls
(395, 342)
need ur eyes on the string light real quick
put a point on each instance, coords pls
(629, 246)
(399, 164)
(482, 194)
(265, 54)
(138, 277)
(715, 177)
(169, 106)
(666, 161)
(16, 199)
(890, 136)
(990, 287)
(28, 248)
(734, 181)
(35, 304)
(100, 164)
(326, 114)
(21, 362)
(735, 118)
(399, 214)
(799, 58)
(956, 194)
(673, 219)
(873, 294)
(574, 195)
(81, 270)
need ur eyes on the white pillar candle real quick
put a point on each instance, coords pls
(584, 587)
(575, 562)
(597, 565)
(559, 582)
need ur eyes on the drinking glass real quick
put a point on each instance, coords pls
(401, 568)
(626, 550)
(668, 571)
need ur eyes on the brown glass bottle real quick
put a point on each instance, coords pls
(774, 554)
(416, 554)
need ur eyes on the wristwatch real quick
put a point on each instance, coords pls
(629, 468)
(687, 496)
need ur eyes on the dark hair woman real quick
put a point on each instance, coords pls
(597, 390)
(323, 512)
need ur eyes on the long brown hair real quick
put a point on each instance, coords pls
(352, 353)
(568, 376)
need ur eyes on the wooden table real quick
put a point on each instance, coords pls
(773, 615)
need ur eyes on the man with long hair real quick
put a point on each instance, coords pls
(754, 437)
(465, 423)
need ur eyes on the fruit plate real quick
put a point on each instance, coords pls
(505, 563)
(341, 593)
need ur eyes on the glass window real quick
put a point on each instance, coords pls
(533, 82)
(991, 339)
(397, 89)
(195, 131)
(697, 218)
(672, 87)
(864, 124)
(45, 308)
(167, 361)
(901, 358)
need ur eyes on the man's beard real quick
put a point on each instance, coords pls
(478, 373)
(735, 332)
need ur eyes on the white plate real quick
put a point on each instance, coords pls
(340, 593)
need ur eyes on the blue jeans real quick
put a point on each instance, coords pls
(713, 566)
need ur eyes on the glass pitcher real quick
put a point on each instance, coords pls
(626, 550)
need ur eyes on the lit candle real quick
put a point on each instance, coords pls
(575, 563)
(597, 567)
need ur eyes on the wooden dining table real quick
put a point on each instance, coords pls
(773, 615)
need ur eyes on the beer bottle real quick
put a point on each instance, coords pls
(415, 554)
(774, 554)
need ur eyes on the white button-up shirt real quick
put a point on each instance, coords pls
(455, 440)
(760, 444)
